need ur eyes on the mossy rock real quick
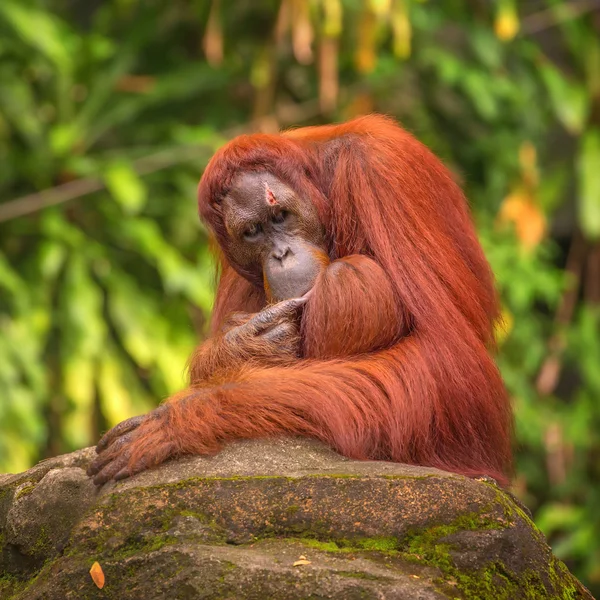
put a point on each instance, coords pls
(271, 519)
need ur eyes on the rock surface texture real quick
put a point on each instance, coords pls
(269, 520)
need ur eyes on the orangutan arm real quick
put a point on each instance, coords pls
(351, 312)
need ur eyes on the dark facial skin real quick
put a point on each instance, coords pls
(275, 234)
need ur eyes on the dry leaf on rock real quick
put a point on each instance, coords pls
(302, 561)
(97, 575)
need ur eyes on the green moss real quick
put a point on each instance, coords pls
(193, 481)
(11, 585)
(415, 540)
(43, 542)
(511, 510)
(385, 545)
(20, 586)
(318, 545)
(427, 547)
(493, 582)
(133, 547)
(377, 544)
(24, 491)
(561, 577)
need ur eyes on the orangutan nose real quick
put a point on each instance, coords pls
(280, 253)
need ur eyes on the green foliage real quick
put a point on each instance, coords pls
(106, 282)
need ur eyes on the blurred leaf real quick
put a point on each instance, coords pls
(332, 21)
(487, 48)
(477, 86)
(126, 187)
(116, 397)
(401, 28)
(552, 188)
(506, 24)
(558, 516)
(41, 30)
(63, 138)
(184, 82)
(592, 65)
(568, 97)
(503, 326)
(213, 36)
(529, 221)
(588, 165)
(78, 375)
(9, 280)
(137, 322)
(366, 52)
(18, 105)
(302, 31)
(102, 87)
(260, 75)
(81, 303)
(381, 8)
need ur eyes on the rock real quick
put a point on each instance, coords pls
(234, 525)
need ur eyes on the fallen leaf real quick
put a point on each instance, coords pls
(302, 557)
(97, 575)
(301, 562)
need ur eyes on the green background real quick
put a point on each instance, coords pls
(109, 110)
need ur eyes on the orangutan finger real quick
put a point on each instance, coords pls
(235, 320)
(270, 315)
(281, 332)
(263, 320)
(143, 464)
(124, 427)
(108, 455)
(130, 471)
(110, 470)
(123, 474)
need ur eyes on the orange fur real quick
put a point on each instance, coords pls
(397, 337)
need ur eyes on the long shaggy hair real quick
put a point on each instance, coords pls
(397, 337)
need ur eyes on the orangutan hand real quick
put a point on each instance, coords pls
(274, 331)
(117, 457)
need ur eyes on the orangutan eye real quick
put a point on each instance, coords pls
(280, 217)
(252, 232)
